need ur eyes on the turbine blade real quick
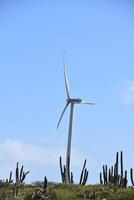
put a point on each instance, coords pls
(62, 115)
(66, 80)
(86, 102)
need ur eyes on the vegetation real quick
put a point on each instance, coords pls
(113, 185)
(65, 192)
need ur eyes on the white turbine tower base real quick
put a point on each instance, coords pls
(68, 156)
(72, 102)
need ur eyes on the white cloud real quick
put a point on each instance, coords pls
(128, 93)
(16, 150)
(40, 161)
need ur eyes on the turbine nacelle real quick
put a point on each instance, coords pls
(77, 100)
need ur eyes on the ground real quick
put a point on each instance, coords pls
(54, 191)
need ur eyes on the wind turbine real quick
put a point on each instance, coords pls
(72, 102)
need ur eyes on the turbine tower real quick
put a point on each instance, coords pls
(72, 102)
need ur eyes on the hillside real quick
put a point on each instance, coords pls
(64, 192)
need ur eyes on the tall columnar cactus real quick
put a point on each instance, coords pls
(17, 173)
(72, 179)
(69, 175)
(10, 180)
(125, 180)
(10, 177)
(131, 176)
(63, 171)
(101, 181)
(112, 177)
(121, 160)
(45, 184)
(83, 176)
(20, 174)
(105, 175)
(82, 172)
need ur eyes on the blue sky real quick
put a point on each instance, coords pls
(98, 37)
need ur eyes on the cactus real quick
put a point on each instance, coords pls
(45, 183)
(84, 174)
(125, 180)
(115, 178)
(85, 177)
(20, 176)
(69, 169)
(17, 173)
(10, 177)
(10, 180)
(131, 176)
(111, 176)
(101, 181)
(61, 170)
(105, 175)
(72, 181)
(121, 161)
